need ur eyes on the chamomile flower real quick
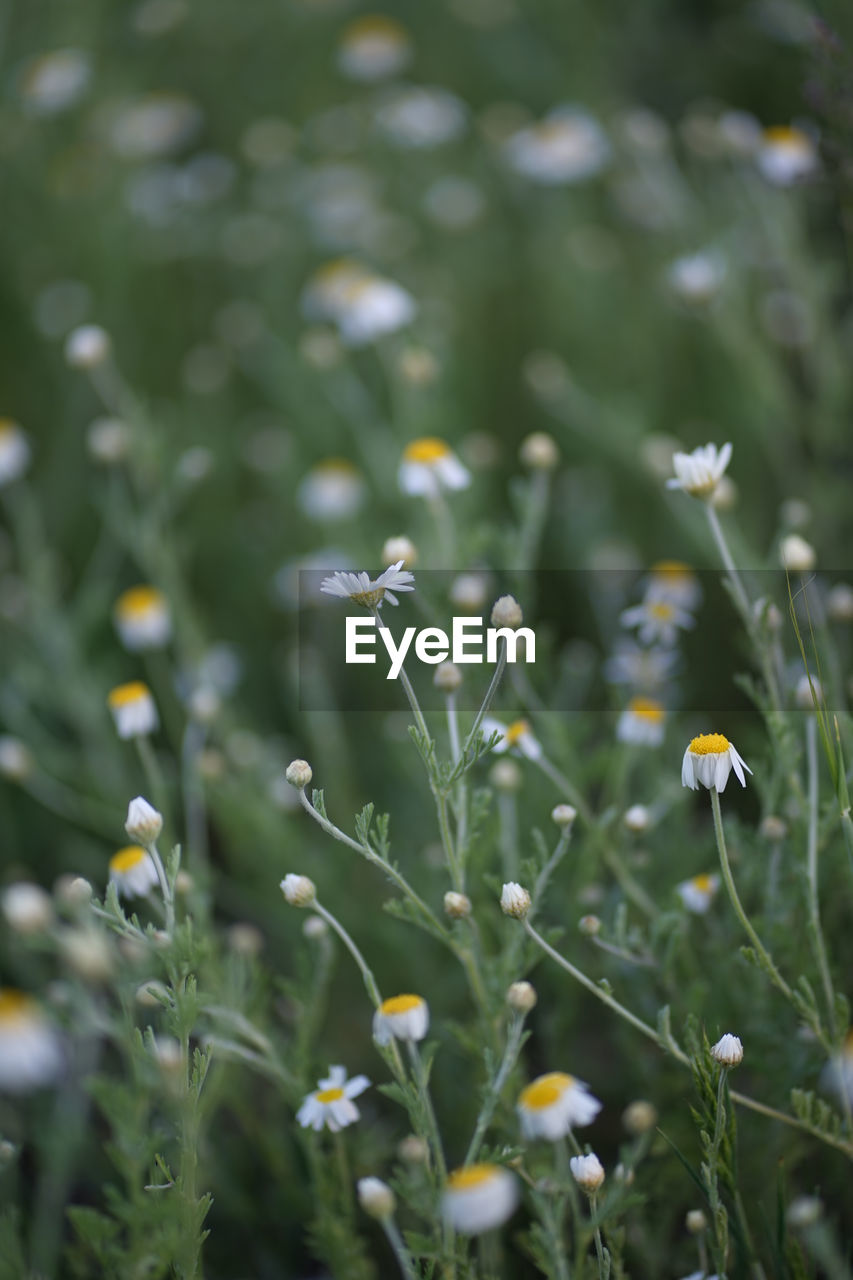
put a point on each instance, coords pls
(373, 47)
(837, 1075)
(698, 473)
(567, 146)
(30, 1049)
(53, 82)
(642, 723)
(420, 117)
(657, 621)
(696, 278)
(517, 737)
(334, 489)
(331, 1106)
(786, 155)
(14, 452)
(133, 709)
(428, 466)
(709, 759)
(371, 593)
(404, 1017)
(588, 1172)
(553, 1104)
(143, 619)
(675, 583)
(646, 669)
(132, 871)
(698, 892)
(479, 1197)
(373, 308)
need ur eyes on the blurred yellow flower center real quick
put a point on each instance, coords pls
(473, 1176)
(139, 600)
(335, 466)
(670, 569)
(545, 1091)
(703, 883)
(709, 744)
(373, 25)
(427, 449)
(14, 1005)
(516, 731)
(7, 428)
(128, 857)
(400, 1004)
(662, 610)
(782, 135)
(647, 709)
(329, 1095)
(125, 693)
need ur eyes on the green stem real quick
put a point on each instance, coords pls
(401, 1253)
(562, 783)
(432, 1124)
(812, 871)
(497, 676)
(366, 972)
(513, 1044)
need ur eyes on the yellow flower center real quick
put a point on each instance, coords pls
(400, 1004)
(368, 599)
(709, 744)
(14, 1005)
(373, 25)
(783, 135)
(329, 1095)
(545, 1091)
(474, 1175)
(427, 449)
(647, 709)
(703, 883)
(127, 858)
(335, 467)
(662, 610)
(670, 570)
(139, 600)
(8, 429)
(123, 694)
(516, 731)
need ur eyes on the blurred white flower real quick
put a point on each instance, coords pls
(143, 822)
(132, 871)
(698, 892)
(786, 155)
(479, 1197)
(568, 145)
(27, 907)
(420, 117)
(517, 737)
(370, 593)
(30, 1048)
(87, 346)
(363, 305)
(642, 668)
(16, 761)
(642, 723)
(674, 582)
(429, 465)
(373, 47)
(154, 124)
(143, 619)
(404, 1017)
(797, 555)
(553, 1104)
(53, 82)
(588, 1172)
(657, 621)
(697, 277)
(709, 759)
(333, 489)
(133, 709)
(14, 452)
(376, 1197)
(698, 473)
(454, 203)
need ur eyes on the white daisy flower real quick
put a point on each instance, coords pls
(553, 1104)
(657, 621)
(373, 308)
(370, 593)
(642, 723)
(334, 489)
(429, 465)
(698, 473)
(696, 277)
(133, 708)
(517, 737)
(837, 1075)
(479, 1197)
(420, 117)
(643, 668)
(30, 1049)
(709, 759)
(133, 872)
(154, 124)
(54, 81)
(404, 1017)
(14, 452)
(698, 892)
(675, 583)
(16, 761)
(143, 619)
(786, 155)
(373, 48)
(26, 907)
(568, 145)
(332, 1106)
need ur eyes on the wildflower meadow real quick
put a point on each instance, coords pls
(426, 620)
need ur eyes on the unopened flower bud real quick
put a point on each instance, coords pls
(696, 1222)
(637, 818)
(522, 997)
(184, 883)
(315, 928)
(87, 953)
(72, 892)
(639, 1117)
(728, 1051)
(299, 773)
(87, 346)
(797, 555)
(539, 451)
(298, 891)
(27, 907)
(773, 827)
(447, 677)
(839, 603)
(413, 1149)
(143, 823)
(457, 905)
(515, 900)
(152, 995)
(564, 815)
(400, 548)
(590, 926)
(16, 761)
(376, 1198)
(506, 612)
(588, 1172)
(505, 775)
(245, 939)
(805, 1211)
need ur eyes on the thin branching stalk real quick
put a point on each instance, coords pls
(364, 967)
(494, 684)
(496, 1087)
